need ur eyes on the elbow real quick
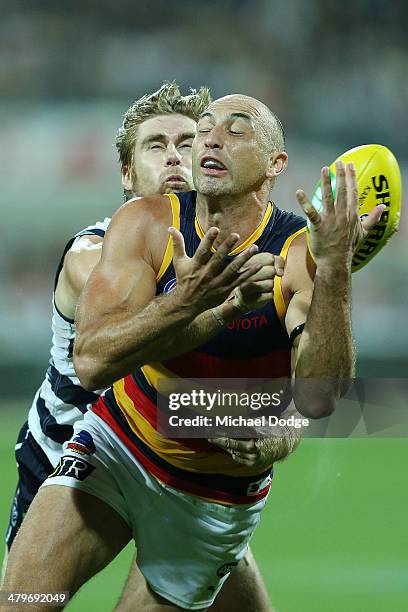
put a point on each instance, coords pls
(87, 370)
(313, 403)
(317, 409)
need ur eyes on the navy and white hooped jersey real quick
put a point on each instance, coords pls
(60, 401)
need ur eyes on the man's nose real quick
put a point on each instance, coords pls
(173, 156)
(214, 138)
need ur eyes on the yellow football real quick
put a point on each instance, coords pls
(379, 182)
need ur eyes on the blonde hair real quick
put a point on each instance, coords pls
(165, 100)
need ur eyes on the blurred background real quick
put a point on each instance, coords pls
(336, 74)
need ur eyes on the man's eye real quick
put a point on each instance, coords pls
(186, 145)
(156, 146)
(236, 132)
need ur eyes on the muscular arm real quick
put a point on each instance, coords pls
(264, 450)
(323, 355)
(305, 300)
(78, 264)
(286, 439)
(299, 272)
(121, 323)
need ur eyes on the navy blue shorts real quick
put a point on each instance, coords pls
(33, 468)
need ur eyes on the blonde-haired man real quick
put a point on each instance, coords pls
(145, 120)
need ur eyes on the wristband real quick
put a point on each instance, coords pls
(216, 313)
(237, 302)
(295, 332)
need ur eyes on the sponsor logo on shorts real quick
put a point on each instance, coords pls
(260, 485)
(226, 568)
(82, 444)
(72, 467)
(169, 286)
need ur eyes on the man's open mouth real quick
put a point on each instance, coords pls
(212, 166)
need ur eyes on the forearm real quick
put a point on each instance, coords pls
(162, 329)
(285, 438)
(277, 449)
(326, 355)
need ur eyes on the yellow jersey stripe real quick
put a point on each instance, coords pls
(172, 450)
(140, 426)
(154, 371)
(168, 254)
(277, 285)
(252, 238)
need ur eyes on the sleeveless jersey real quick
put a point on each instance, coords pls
(255, 345)
(60, 401)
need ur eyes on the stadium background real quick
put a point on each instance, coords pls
(333, 537)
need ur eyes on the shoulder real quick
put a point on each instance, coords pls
(139, 228)
(78, 264)
(81, 258)
(142, 211)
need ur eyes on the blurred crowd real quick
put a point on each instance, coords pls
(330, 68)
(334, 72)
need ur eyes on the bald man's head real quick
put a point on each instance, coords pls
(245, 139)
(271, 127)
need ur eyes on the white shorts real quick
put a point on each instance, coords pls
(186, 546)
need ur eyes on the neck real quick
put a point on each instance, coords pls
(240, 213)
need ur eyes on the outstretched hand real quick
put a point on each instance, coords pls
(337, 229)
(257, 291)
(368, 222)
(208, 278)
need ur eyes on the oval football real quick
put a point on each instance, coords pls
(379, 182)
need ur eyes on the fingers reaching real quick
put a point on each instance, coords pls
(239, 267)
(177, 238)
(373, 217)
(219, 258)
(327, 191)
(352, 189)
(204, 253)
(279, 265)
(242, 451)
(308, 208)
(341, 188)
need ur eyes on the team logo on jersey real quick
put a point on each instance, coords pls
(82, 444)
(226, 568)
(72, 467)
(169, 286)
(260, 485)
(245, 323)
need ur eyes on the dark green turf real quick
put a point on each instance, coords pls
(332, 539)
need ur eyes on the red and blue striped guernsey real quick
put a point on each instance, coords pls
(254, 346)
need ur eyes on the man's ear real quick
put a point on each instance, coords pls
(126, 178)
(277, 164)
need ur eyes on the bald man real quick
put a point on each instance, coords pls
(156, 304)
